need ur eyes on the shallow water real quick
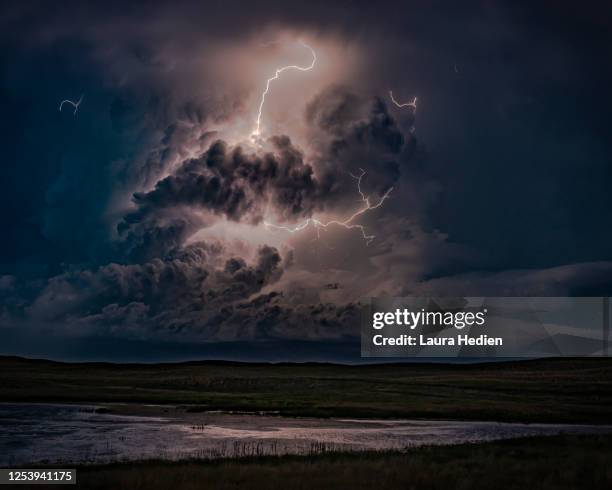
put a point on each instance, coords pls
(37, 433)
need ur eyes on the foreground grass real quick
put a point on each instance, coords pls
(561, 462)
(554, 390)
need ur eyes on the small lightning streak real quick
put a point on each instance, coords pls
(347, 223)
(75, 104)
(277, 74)
(412, 104)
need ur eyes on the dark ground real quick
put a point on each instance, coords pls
(553, 390)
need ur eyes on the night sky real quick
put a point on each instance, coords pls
(152, 224)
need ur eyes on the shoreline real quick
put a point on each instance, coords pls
(106, 434)
(183, 413)
(180, 411)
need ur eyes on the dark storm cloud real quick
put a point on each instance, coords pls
(513, 106)
(225, 182)
(156, 235)
(163, 286)
(189, 293)
(270, 317)
(183, 133)
(352, 133)
(233, 183)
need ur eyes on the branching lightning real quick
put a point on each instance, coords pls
(256, 131)
(348, 222)
(75, 104)
(412, 103)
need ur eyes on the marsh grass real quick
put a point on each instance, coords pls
(543, 463)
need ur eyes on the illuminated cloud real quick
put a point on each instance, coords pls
(144, 216)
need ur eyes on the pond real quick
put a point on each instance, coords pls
(52, 433)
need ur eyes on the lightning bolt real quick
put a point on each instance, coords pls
(412, 104)
(347, 223)
(75, 104)
(256, 131)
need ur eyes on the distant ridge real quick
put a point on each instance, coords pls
(434, 364)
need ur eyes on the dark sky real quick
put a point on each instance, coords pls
(136, 228)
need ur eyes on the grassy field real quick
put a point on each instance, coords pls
(555, 390)
(543, 463)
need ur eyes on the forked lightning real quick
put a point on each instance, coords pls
(75, 104)
(256, 132)
(412, 103)
(347, 223)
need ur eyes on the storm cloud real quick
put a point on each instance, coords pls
(141, 217)
(186, 292)
(235, 184)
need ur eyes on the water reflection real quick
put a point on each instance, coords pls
(31, 433)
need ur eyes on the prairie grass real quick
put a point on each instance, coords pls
(553, 390)
(560, 462)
